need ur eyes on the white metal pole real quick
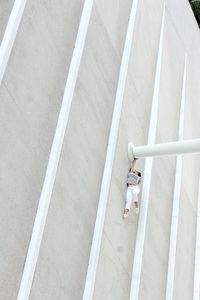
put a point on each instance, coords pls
(173, 148)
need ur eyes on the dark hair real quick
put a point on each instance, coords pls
(139, 173)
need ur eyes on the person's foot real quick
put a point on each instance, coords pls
(125, 215)
(137, 210)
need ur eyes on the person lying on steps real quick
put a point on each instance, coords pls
(133, 189)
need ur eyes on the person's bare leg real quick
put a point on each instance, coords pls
(136, 207)
(126, 211)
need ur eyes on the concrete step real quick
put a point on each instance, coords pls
(156, 246)
(65, 249)
(31, 95)
(118, 245)
(30, 100)
(6, 8)
(117, 251)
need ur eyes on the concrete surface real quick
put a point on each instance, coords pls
(156, 245)
(76, 191)
(115, 263)
(5, 10)
(30, 96)
(119, 235)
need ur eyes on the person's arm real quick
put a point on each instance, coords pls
(133, 163)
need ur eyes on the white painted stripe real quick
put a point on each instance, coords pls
(10, 35)
(139, 248)
(44, 201)
(176, 199)
(97, 237)
(196, 289)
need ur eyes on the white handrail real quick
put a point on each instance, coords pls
(164, 149)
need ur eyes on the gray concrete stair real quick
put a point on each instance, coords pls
(65, 248)
(6, 8)
(30, 100)
(31, 95)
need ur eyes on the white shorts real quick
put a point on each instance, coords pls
(132, 195)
